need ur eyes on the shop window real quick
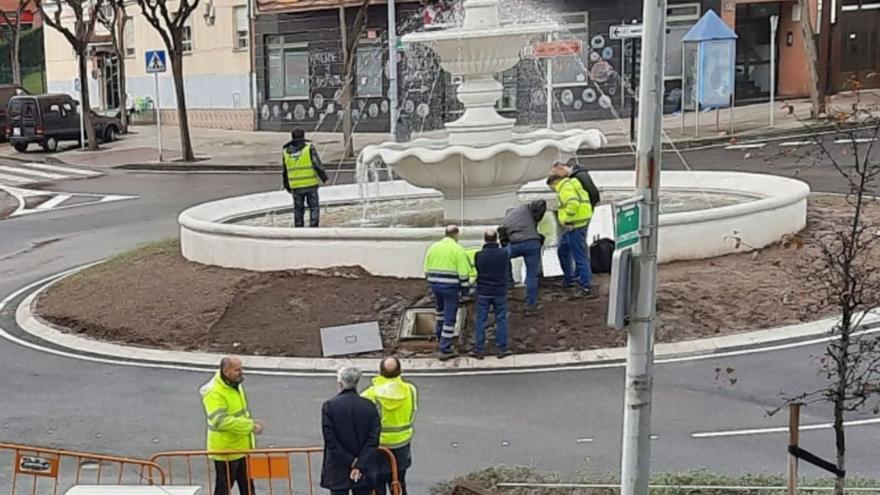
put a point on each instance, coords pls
(368, 70)
(288, 70)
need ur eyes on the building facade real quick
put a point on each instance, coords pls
(217, 66)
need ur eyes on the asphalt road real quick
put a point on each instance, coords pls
(565, 420)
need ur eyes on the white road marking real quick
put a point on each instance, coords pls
(857, 141)
(55, 201)
(67, 170)
(24, 171)
(745, 146)
(15, 179)
(789, 144)
(584, 440)
(783, 429)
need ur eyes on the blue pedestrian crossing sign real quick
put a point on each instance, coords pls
(155, 61)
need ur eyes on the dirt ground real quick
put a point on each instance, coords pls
(155, 298)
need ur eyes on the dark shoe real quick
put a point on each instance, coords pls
(446, 356)
(586, 292)
(531, 310)
(476, 355)
(502, 354)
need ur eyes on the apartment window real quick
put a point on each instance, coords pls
(683, 12)
(852, 5)
(187, 38)
(128, 37)
(573, 71)
(288, 69)
(369, 70)
(242, 33)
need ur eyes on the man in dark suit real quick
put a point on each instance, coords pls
(351, 437)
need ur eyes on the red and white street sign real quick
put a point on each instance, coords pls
(554, 49)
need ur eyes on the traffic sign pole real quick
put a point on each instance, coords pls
(158, 114)
(155, 61)
(549, 88)
(636, 448)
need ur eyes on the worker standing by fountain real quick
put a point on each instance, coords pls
(519, 232)
(574, 214)
(447, 270)
(303, 175)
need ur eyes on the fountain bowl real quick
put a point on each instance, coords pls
(487, 177)
(208, 236)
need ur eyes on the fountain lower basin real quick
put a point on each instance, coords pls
(779, 208)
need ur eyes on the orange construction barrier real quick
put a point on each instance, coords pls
(40, 470)
(270, 470)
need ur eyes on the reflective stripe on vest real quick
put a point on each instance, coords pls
(300, 173)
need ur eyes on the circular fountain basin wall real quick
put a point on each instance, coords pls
(210, 233)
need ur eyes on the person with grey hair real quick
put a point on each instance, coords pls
(351, 427)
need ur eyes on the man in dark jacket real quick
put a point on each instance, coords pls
(519, 231)
(492, 267)
(303, 174)
(351, 429)
(574, 170)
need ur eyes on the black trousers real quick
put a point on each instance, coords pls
(300, 198)
(237, 474)
(353, 491)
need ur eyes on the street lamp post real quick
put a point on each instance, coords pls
(636, 456)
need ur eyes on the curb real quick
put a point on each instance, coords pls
(518, 363)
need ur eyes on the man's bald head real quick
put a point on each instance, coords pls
(390, 367)
(452, 231)
(231, 369)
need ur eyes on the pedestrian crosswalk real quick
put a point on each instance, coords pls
(33, 173)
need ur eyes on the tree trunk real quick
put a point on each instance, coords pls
(120, 57)
(811, 56)
(16, 52)
(85, 104)
(347, 145)
(186, 150)
(840, 438)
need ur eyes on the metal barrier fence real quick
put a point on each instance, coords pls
(41, 471)
(272, 470)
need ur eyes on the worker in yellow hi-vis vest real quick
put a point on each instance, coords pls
(303, 175)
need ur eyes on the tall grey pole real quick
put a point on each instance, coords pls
(774, 24)
(635, 462)
(392, 67)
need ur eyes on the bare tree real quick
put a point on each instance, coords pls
(350, 40)
(13, 21)
(78, 35)
(171, 25)
(114, 20)
(849, 277)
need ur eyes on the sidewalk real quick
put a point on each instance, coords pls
(250, 150)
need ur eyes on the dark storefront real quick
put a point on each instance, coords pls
(299, 68)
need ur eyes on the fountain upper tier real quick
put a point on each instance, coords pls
(479, 49)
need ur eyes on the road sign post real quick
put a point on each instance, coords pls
(155, 60)
(549, 50)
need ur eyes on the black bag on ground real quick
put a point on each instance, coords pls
(601, 252)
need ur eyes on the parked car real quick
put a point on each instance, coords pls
(7, 91)
(49, 119)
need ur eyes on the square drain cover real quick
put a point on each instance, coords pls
(351, 339)
(418, 323)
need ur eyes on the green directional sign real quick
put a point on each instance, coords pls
(629, 221)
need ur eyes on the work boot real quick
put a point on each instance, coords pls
(502, 354)
(587, 292)
(446, 356)
(531, 310)
(476, 354)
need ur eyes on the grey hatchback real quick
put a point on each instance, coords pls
(49, 119)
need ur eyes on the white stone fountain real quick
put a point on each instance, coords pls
(482, 164)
